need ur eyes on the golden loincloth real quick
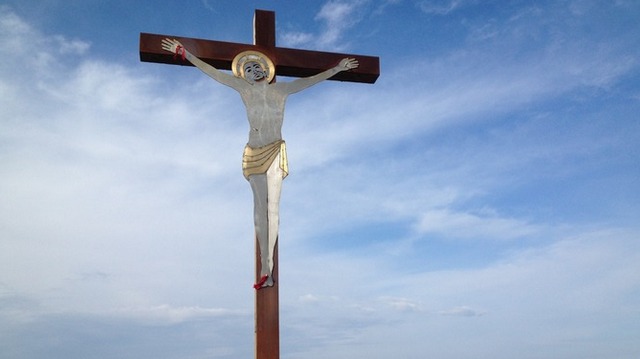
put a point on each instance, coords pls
(258, 160)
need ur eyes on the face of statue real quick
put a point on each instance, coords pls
(254, 72)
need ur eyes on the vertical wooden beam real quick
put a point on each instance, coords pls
(264, 29)
(267, 315)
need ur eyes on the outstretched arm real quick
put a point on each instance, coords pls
(306, 82)
(175, 47)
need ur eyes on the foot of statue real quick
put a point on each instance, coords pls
(265, 281)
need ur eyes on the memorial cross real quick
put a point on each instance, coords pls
(286, 62)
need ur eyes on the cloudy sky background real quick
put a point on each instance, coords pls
(480, 200)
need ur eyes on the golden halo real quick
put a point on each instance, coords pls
(237, 66)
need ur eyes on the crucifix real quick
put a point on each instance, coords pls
(264, 160)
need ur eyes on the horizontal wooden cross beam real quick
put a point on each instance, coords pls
(288, 62)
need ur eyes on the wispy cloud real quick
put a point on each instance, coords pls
(467, 225)
(79, 147)
(441, 7)
(462, 311)
(336, 18)
(402, 304)
(166, 314)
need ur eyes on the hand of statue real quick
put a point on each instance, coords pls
(348, 64)
(172, 45)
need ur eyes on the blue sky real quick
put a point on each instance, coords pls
(480, 200)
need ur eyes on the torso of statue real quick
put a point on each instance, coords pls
(265, 111)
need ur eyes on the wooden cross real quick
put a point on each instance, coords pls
(288, 62)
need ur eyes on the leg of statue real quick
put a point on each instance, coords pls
(266, 201)
(258, 184)
(274, 187)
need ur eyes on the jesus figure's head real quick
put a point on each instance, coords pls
(253, 72)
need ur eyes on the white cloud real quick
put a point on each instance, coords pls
(468, 225)
(578, 288)
(13, 27)
(383, 5)
(71, 47)
(105, 171)
(209, 6)
(402, 304)
(309, 298)
(339, 14)
(441, 7)
(297, 39)
(462, 311)
(337, 17)
(166, 314)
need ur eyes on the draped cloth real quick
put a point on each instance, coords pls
(258, 160)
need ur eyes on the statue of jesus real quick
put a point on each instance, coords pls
(264, 161)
